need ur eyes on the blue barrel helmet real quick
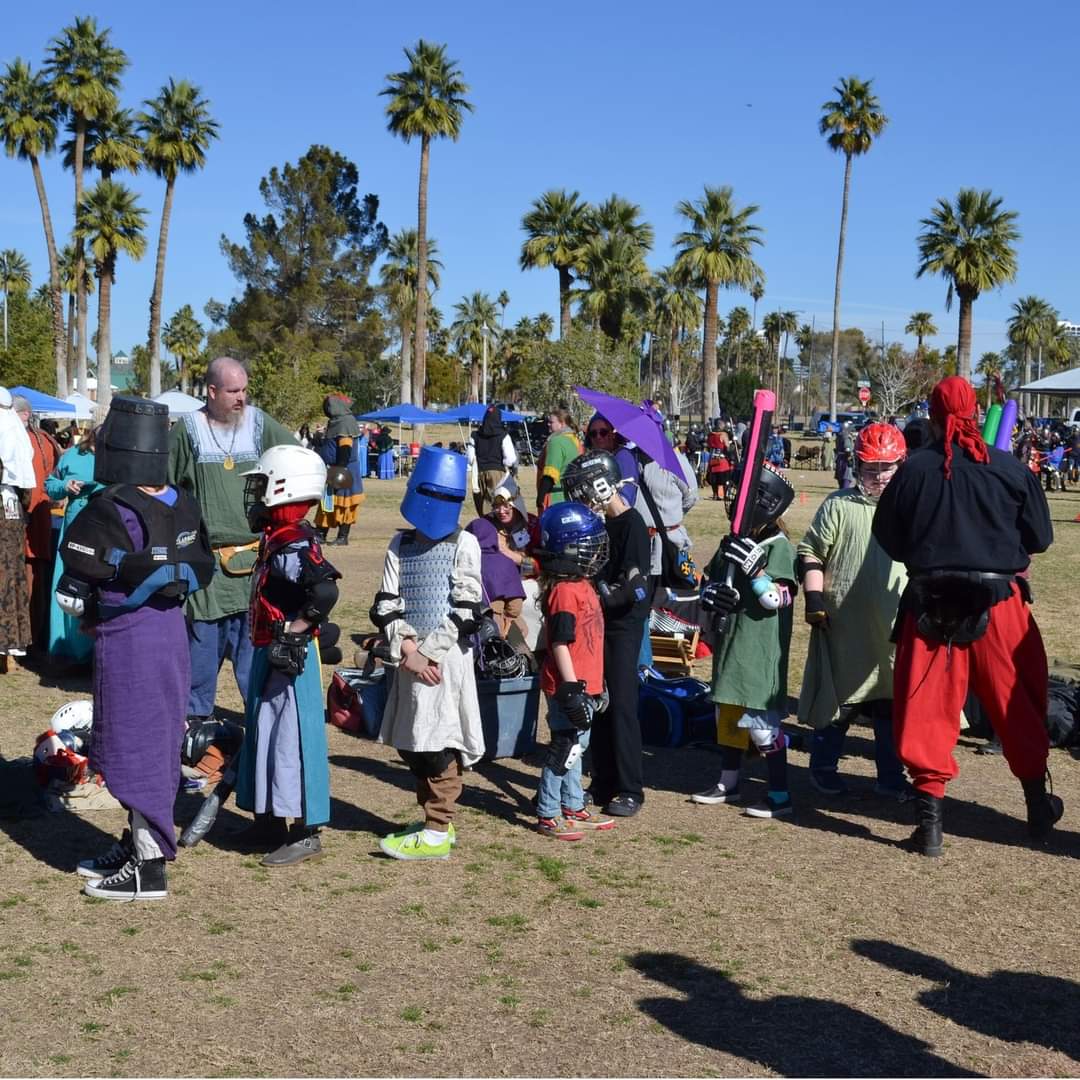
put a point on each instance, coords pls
(573, 541)
(435, 492)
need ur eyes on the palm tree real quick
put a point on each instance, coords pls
(971, 244)
(503, 299)
(1028, 328)
(921, 324)
(738, 325)
(617, 216)
(677, 310)
(112, 144)
(182, 336)
(850, 123)
(178, 129)
(475, 316)
(14, 277)
(111, 222)
(69, 264)
(85, 71)
(427, 101)
(716, 250)
(544, 324)
(399, 279)
(757, 291)
(28, 128)
(990, 368)
(616, 282)
(557, 226)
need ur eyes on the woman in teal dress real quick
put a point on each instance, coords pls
(72, 479)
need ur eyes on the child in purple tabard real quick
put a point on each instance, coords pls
(130, 560)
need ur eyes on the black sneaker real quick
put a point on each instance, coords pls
(137, 879)
(105, 865)
(623, 806)
(768, 807)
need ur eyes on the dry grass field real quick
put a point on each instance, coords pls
(691, 941)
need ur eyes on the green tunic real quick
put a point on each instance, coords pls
(852, 660)
(197, 465)
(751, 660)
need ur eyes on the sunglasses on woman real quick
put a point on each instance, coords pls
(600, 433)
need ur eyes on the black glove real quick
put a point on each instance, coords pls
(288, 651)
(816, 613)
(625, 592)
(574, 702)
(720, 597)
(742, 552)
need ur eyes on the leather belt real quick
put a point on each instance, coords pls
(227, 552)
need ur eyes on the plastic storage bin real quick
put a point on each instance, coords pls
(509, 710)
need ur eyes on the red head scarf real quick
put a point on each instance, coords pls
(953, 406)
(289, 514)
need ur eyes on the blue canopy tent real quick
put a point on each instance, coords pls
(402, 413)
(473, 413)
(45, 404)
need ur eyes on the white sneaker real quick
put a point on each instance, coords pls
(715, 795)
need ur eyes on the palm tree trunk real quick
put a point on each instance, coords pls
(565, 281)
(55, 290)
(834, 367)
(5, 319)
(963, 338)
(406, 362)
(1025, 399)
(710, 396)
(104, 334)
(675, 370)
(474, 380)
(154, 343)
(71, 340)
(80, 262)
(420, 337)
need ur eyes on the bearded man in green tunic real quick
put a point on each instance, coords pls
(209, 451)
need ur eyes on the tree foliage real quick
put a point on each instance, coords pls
(28, 358)
(307, 311)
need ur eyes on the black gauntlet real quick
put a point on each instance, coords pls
(288, 651)
(574, 702)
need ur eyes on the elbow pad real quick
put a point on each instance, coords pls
(467, 618)
(803, 563)
(321, 598)
(386, 608)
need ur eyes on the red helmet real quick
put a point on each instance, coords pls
(880, 442)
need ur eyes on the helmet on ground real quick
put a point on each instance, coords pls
(435, 492)
(283, 475)
(774, 496)
(592, 479)
(573, 541)
(202, 734)
(54, 760)
(74, 716)
(498, 660)
(879, 449)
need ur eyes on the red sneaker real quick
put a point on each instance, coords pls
(582, 819)
(558, 829)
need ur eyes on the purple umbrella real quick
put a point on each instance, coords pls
(640, 424)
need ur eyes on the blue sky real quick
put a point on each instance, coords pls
(649, 101)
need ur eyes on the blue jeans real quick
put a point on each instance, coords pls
(827, 743)
(210, 642)
(558, 791)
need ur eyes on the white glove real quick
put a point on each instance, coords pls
(70, 605)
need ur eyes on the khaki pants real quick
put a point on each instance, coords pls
(488, 481)
(438, 795)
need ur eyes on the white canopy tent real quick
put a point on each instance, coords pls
(84, 407)
(178, 402)
(1061, 384)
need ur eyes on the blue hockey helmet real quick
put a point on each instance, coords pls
(573, 541)
(435, 492)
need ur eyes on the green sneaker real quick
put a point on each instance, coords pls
(411, 845)
(417, 826)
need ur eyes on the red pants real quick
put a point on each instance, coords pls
(1006, 668)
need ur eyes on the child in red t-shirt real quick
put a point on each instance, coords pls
(573, 549)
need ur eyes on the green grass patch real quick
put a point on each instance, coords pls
(12, 901)
(514, 922)
(115, 994)
(552, 868)
(130, 931)
(590, 902)
(412, 1014)
(91, 1028)
(511, 1001)
(430, 946)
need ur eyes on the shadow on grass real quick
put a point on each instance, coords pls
(58, 840)
(793, 1036)
(1015, 1006)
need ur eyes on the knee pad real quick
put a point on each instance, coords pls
(563, 752)
(768, 740)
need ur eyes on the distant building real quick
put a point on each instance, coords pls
(122, 371)
(1070, 329)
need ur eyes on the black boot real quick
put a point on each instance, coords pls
(320, 535)
(1044, 809)
(265, 833)
(926, 839)
(342, 535)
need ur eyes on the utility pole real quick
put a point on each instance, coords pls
(483, 388)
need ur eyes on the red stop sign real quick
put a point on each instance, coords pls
(864, 394)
